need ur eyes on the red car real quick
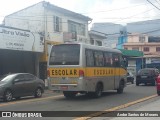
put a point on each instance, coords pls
(158, 85)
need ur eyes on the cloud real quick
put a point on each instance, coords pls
(122, 11)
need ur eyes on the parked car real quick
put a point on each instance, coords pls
(147, 75)
(19, 85)
(158, 85)
(130, 77)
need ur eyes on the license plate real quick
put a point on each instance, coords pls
(143, 76)
(64, 87)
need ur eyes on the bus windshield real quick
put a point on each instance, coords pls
(65, 54)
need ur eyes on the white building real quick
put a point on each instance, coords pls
(56, 24)
(111, 30)
(97, 38)
(52, 21)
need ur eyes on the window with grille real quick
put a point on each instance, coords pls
(135, 48)
(157, 49)
(57, 24)
(77, 28)
(146, 49)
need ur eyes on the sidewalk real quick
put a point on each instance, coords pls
(152, 106)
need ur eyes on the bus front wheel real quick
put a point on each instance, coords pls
(121, 87)
(98, 91)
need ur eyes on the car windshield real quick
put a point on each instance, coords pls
(6, 78)
(146, 72)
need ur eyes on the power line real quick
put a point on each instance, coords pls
(157, 2)
(147, 32)
(85, 13)
(114, 9)
(83, 23)
(78, 13)
(123, 19)
(153, 4)
(136, 14)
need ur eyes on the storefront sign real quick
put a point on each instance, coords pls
(20, 40)
(152, 60)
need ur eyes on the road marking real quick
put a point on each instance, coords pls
(115, 108)
(32, 100)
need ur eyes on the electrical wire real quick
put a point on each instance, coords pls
(157, 2)
(114, 9)
(153, 4)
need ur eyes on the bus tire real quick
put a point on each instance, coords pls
(69, 94)
(98, 90)
(121, 87)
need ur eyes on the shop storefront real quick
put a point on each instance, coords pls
(134, 60)
(19, 51)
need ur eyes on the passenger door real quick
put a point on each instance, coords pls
(110, 76)
(116, 65)
(30, 83)
(18, 86)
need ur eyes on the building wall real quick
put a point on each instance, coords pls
(152, 54)
(152, 46)
(150, 27)
(135, 38)
(97, 38)
(39, 19)
(112, 30)
(30, 19)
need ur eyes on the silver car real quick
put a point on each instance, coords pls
(19, 85)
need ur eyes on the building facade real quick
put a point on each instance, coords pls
(149, 27)
(97, 38)
(150, 46)
(113, 31)
(19, 50)
(56, 24)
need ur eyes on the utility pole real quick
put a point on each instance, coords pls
(142, 40)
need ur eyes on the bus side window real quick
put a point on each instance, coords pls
(99, 60)
(108, 61)
(123, 62)
(89, 58)
(116, 60)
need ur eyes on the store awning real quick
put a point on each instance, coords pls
(131, 53)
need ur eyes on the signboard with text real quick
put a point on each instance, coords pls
(20, 40)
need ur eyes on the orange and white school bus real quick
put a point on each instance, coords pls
(81, 68)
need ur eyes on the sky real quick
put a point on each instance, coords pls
(114, 11)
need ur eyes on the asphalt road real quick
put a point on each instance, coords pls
(57, 102)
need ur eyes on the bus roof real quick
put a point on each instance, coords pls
(94, 47)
